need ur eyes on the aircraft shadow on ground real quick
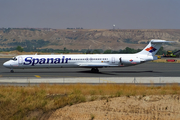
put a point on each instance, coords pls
(59, 72)
(113, 72)
(136, 71)
(87, 71)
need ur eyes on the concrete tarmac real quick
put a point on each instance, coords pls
(149, 69)
(147, 73)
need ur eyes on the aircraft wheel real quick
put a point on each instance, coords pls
(95, 70)
(12, 71)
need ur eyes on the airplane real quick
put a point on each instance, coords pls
(93, 61)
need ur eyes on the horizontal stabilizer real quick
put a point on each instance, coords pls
(160, 41)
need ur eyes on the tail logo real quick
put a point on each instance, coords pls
(151, 49)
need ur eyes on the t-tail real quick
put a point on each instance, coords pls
(152, 48)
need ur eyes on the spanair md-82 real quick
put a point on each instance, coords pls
(93, 61)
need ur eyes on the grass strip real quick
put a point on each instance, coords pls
(20, 102)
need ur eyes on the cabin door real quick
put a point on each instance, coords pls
(20, 61)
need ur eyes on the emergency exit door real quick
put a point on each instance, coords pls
(113, 60)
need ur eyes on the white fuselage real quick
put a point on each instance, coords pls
(80, 60)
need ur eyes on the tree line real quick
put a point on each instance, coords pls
(127, 50)
(84, 51)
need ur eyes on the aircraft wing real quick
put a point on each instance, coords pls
(93, 65)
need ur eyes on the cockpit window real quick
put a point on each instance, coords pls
(14, 58)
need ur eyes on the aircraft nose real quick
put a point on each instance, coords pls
(6, 64)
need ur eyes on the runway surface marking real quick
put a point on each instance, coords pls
(37, 76)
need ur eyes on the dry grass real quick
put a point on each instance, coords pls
(15, 53)
(19, 102)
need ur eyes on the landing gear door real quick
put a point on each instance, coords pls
(20, 61)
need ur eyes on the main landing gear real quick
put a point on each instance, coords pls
(12, 71)
(94, 70)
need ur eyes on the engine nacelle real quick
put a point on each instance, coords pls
(129, 60)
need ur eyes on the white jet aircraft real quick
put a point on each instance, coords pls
(93, 61)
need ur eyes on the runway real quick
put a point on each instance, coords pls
(149, 69)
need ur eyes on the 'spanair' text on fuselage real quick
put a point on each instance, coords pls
(33, 61)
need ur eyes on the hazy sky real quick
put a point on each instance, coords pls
(90, 14)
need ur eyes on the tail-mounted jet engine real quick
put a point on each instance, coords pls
(129, 60)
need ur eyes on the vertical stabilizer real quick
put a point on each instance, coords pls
(152, 48)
